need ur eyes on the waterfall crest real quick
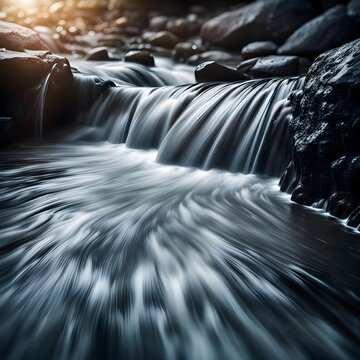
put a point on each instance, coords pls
(239, 127)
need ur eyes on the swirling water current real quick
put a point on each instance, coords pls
(107, 254)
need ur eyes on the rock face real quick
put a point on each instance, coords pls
(272, 20)
(325, 133)
(327, 31)
(18, 38)
(274, 66)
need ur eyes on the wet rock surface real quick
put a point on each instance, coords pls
(258, 21)
(327, 31)
(140, 57)
(259, 48)
(211, 71)
(274, 66)
(325, 132)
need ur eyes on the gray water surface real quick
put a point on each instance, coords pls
(105, 253)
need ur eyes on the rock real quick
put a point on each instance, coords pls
(325, 132)
(98, 54)
(184, 50)
(158, 23)
(164, 39)
(258, 49)
(19, 100)
(179, 27)
(327, 31)
(18, 38)
(140, 57)
(211, 71)
(28, 68)
(214, 55)
(274, 66)
(272, 20)
(353, 10)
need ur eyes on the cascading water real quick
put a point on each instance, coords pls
(229, 126)
(106, 253)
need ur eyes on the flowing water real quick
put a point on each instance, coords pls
(107, 253)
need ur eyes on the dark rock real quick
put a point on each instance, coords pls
(329, 30)
(28, 69)
(353, 10)
(184, 50)
(140, 57)
(211, 71)
(18, 38)
(23, 77)
(179, 27)
(272, 20)
(158, 23)
(274, 66)
(325, 132)
(214, 55)
(164, 39)
(98, 54)
(258, 49)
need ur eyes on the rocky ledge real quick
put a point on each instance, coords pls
(324, 134)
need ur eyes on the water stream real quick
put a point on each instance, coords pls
(111, 252)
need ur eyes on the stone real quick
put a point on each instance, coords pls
(272, 20)
(28, 69)
(184, 50)
(325, 132)
(274, 66)
(98, 54)
(325, 32)
(140, 57)
(214, 55)
(18, 38)
(158, 23)
(353, 10)
(164, 39)
(258, 49)
(211, 71)
(179, 27)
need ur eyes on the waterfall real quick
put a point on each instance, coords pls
(239, 127)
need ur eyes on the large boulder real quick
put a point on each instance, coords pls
(29, 69)
(327, 31)
(27, 78)
(263, 20)
(325, 132)
(19, 38)
(258, 49)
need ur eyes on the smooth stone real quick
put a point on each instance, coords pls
(353, 10)
(211, 71)
(164, 39)
(158, 23)
(140, 57)
(258, 49)
(18, 38)
(325, 32)
(214, 55)
(272, 20)
(28, 69)
(184, 50)
(98, 54)
(274, 66)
